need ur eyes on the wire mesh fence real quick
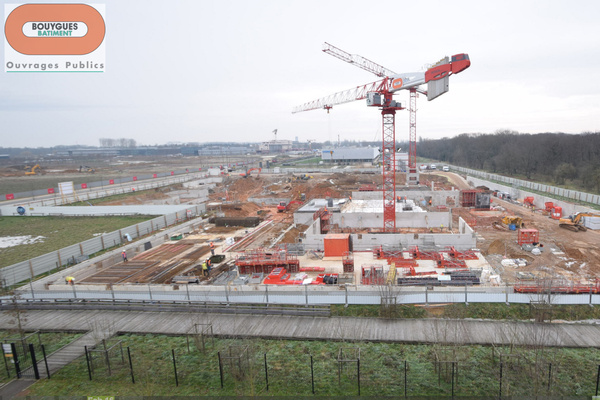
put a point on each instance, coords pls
(163, 365)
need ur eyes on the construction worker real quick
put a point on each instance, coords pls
(70, 280)
(204, 269)
(124, 254)
(208, 264)
(212, 248)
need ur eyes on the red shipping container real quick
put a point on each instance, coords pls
(336, 244)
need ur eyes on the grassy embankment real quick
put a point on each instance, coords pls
(525, 370)
(57, 232)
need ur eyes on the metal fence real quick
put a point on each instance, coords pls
(305, 295)
(547, 189)
(177, 175)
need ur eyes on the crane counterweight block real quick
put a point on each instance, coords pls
(458, 63)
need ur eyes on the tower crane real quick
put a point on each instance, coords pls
(380, 94)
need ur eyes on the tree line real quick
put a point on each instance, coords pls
(557, 158)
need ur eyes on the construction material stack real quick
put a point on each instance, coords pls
(264, 261)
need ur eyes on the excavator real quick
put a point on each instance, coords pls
(247, 174)
(34, 170)
(283, 206)
(574, 222)
(505, 223)
(85, 168)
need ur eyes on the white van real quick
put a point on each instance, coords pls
(445, 168)
(432, 166)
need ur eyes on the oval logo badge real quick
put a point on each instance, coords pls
(59, 27)
(397, 83)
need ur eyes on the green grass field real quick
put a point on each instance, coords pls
(493, 311)
(57, 232)
(526, 372)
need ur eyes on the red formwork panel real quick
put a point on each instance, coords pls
(461, 255)
(312, 269)
(468, 198)
(276, 276)
(336, 244)
(548, 206)
(528, 236)
(417, 254)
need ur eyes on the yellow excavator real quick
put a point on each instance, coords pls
(505, 223)
(34, 170)
(512, 220)
(574, 223)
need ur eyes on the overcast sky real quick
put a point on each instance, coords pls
(202, 71)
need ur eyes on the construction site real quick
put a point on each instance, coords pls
(330, 232)
(396, 223)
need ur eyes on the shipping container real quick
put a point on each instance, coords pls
(336, 244)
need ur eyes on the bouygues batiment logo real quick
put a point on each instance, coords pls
(54, 38)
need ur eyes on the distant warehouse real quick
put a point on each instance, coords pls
(348, 155)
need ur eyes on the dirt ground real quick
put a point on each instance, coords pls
(574, 256)
(571, 255)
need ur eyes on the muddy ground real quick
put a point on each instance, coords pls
(566, 255)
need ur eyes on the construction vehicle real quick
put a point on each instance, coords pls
(85, 168)
(303, 177)
(512, 220)
(283, 206)
(380, 94)
(36, 169)
(574, 222)
(247, 173)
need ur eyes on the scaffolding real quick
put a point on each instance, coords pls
(324, 216)
(348, 261)
(264, 261)
(372, 275)
(461, 255)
